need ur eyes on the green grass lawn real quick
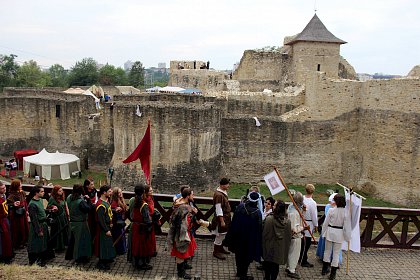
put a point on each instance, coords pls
(320, 196)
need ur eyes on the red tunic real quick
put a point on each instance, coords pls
(19, 225)
(191, 247)
(6, 250)
(141, 240)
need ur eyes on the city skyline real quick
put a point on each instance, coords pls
(382, 36)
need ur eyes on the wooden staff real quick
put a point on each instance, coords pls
(294, 203)
(351, 192)
(150, 156)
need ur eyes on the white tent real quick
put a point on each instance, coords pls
(171, 89)
(51, 165)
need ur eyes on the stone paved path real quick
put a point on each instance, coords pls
(370, 264)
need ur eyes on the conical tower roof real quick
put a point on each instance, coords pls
(315, 31)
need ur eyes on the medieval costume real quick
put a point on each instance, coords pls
(80, 244)
(59, 226)
(93, 196)
(140, 238)
(180, 236)
(18, 216)
(38, 232)
(336, 230)
(151, 205)
(6, 248)
(244, 237)
(118, 229)
(103, 245)
(222, 206)
(297, 229)
(311, 218)
(276, 241)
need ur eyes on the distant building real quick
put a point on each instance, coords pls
(162, 65)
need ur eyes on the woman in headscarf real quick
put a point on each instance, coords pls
(18, 214)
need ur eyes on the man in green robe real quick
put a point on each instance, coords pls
(38, 229)
(80, 245)
(104, 247)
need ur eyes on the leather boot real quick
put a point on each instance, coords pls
(333, 272)
(217, 252)
(181, 271)
(325, 268)
(186, 265)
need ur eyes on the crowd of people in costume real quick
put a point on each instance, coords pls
(91, 222)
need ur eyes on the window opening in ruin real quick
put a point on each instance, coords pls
(319, 67)
(57, 111)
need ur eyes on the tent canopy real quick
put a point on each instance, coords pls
(191, 91)
(19, 155)
(51, 165)
(171, 89)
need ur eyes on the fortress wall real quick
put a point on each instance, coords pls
(186, 143)
(327, 98)
(34, 125)
(204, 79)
(390, 138)
(258, 65)
(310, 151)
(263, 105)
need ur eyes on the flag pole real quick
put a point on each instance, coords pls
(348, 243)
(150, 157)
(294, 203)
(351, 192)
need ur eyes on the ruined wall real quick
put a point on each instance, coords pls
(259, 70)
(206, 80)
(34, 124)
(186, 141)
(308, 55)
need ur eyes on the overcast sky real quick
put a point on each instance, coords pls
(382, 35)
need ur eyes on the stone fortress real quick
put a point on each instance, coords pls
(318, 123)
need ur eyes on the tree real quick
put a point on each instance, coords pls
(111, 76)
(58, 76)
(31, 75)
(84, 73)
(136, 75)
(8, 71)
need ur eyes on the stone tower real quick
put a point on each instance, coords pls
(315, 49)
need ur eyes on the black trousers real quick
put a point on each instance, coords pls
(304, 248)
(242, 265)
(271, 270)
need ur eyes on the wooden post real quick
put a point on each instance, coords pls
(294, 203)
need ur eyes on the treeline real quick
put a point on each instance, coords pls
(84, 73)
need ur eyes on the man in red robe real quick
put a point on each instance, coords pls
(6, 250)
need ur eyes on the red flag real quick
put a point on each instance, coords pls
(143, 152)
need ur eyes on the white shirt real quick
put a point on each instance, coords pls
(311, 214)
(336, 217)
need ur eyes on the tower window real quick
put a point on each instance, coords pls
(57, 111)
(319, 67)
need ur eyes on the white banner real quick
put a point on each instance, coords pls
(273, 182)
(356, 207)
